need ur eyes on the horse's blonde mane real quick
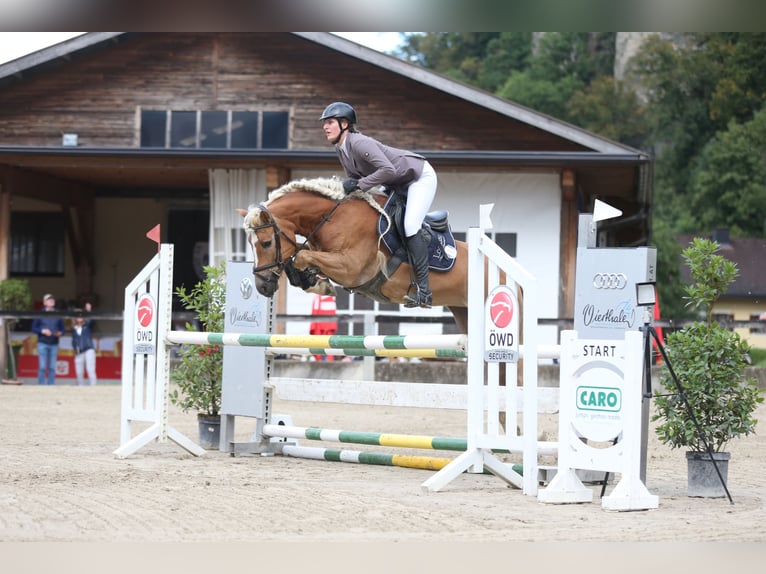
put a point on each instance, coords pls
(330, 187)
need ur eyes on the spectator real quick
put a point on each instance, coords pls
(84, 349)
(48, 331)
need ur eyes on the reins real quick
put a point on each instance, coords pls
(278, 262)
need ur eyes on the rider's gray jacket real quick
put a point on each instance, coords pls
(374, 163)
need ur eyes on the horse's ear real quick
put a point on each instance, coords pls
(242, 212)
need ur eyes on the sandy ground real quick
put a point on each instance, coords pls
(59, 482)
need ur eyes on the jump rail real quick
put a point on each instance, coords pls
(486, 396)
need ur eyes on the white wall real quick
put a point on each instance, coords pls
(528, 204)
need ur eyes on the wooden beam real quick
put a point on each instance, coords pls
(568, 242)
(5, 229)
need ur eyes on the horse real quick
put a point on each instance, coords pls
(342, 246)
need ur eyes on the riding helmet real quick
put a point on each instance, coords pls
(339, 110)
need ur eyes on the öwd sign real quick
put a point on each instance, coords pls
(145, 326)
(501, 326)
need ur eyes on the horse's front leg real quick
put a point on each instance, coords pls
(331, 264)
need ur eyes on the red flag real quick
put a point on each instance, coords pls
(154, 235)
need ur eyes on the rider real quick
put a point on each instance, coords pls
(369, 163)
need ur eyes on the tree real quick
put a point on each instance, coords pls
(729, 182)
(607, 107)
(454, 54)
(697, 85)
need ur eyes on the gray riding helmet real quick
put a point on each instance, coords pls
(339, 110)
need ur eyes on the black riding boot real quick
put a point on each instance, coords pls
(417, 245)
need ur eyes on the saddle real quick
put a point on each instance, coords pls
(441, 250)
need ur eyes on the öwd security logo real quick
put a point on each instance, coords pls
(501, 326)
(145, 331)
(145, 311)
(501, 309)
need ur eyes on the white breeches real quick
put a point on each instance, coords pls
(420, 196)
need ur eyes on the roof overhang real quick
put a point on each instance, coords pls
(180, 168)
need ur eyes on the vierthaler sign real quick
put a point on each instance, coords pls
(501, 326)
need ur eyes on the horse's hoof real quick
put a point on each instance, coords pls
(322, 287)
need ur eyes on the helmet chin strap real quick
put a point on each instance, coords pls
(340, 134)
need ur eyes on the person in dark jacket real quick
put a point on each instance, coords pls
(84, 348)
(48, 331)
(369, 163)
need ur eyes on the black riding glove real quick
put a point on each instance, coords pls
(350, 185)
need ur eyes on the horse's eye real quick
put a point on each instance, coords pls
(266, 244)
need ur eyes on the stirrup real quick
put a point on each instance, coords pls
(418, 300)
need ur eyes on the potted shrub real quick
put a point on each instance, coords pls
(15, 295)
(709, 362)
(198, 372)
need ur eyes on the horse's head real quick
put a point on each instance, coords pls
(266, 240)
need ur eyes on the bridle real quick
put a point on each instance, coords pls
(279, 264)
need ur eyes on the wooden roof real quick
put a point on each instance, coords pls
(62, 52)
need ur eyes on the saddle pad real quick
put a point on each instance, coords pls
(441, 251)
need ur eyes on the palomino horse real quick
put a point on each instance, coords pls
(341, 244)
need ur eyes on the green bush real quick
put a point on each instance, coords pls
(199, 370)
(15, 295)
(709, 361)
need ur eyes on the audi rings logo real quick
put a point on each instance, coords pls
(610, 281)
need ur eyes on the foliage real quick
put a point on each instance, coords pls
(609, 108)
(698, 86)
(693, 101)
(544, 95)
(709, 361)
(199, 370)
(462, 55)
(729, 182)
(15, 295)
(670, 290)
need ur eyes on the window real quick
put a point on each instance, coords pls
(506, 241)
(37, 244)
(217, 129)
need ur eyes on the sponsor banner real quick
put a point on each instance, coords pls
(501, 326)
(605, 290)
(145, 326)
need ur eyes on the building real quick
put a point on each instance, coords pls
(745, 300)
(106, 135)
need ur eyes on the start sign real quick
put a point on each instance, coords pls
(501, 326)
(145, 326)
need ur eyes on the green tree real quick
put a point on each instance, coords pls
(697, 84)
(729, 183)
(609, 108)
(563, 65)
(455, 54)
(509, 52)
(670, 289)
(542, 95)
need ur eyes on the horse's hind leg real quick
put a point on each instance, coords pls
(460, 315)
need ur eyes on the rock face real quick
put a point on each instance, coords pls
(627, 44)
